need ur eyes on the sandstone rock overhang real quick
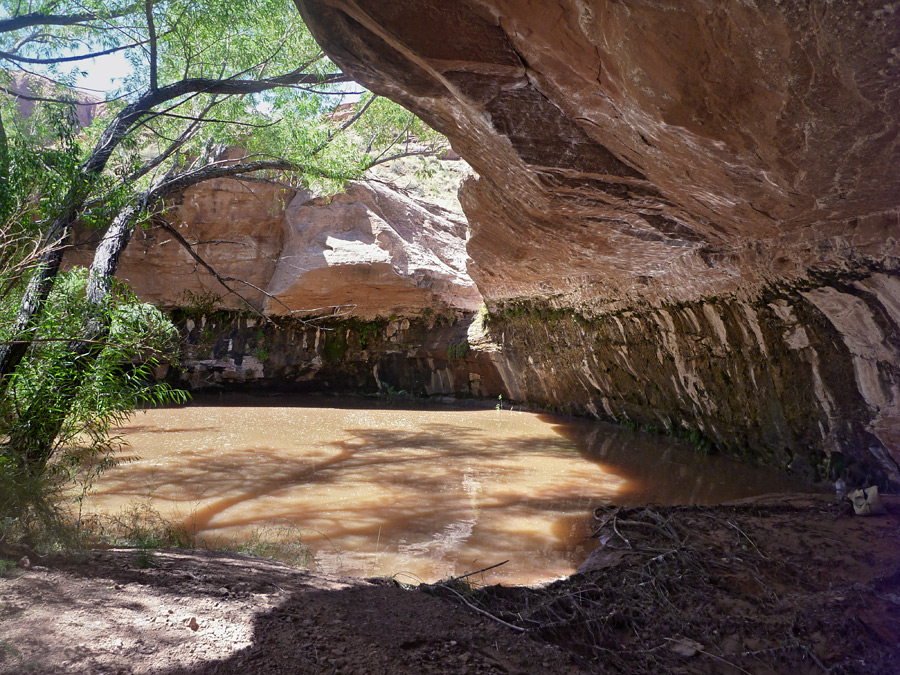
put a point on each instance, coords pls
(642, 151)
(711, 184)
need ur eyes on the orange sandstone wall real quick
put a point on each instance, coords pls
(707, 172)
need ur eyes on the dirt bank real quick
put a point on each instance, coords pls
(778, 585)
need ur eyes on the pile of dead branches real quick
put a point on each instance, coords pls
(689, 589)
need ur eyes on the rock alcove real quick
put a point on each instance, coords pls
(682, 216)
(685, 215)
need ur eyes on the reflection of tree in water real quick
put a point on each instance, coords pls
(431, 491)
(436, 453)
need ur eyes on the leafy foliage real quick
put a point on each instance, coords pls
(91, 404)
(207, 76)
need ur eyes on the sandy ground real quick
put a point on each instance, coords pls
(780, 585)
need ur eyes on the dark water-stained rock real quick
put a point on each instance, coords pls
(802, 377)
(422, 356)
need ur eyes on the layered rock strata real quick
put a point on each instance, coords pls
(428, 355)
(363, 291)
(801, 377)
(704, 173)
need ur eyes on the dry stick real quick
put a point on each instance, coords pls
(719, 658)
(209, 268)
(812, 655)
(483, 612)
(223, 279)
(463, 576)
(641, 523)
(747, 537)
(621, 536)
(663, 523)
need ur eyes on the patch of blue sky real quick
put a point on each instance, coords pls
(102, 74)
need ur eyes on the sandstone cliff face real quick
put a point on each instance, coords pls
(367, 291)
(87, 107)
(805, 379)
(371, 251)
(637, 158)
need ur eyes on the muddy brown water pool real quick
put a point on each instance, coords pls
(421, 492)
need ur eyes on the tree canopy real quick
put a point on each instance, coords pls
(205, 75)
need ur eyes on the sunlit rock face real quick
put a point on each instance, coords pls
(639, 156)
(373, 251)
(370, 251)
(365, 291)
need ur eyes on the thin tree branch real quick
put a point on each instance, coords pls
(43, 19)
(175, 145)
(183, 181)
(400, 135)
(218, 121)
(43, 99)
(331, 136)
(151, 29)
(68, 59)
(400, 155)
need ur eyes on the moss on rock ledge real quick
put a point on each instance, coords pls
(419, 355)
(805, 377)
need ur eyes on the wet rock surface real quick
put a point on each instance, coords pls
(634, 157)
(427, 355)
(803, 378)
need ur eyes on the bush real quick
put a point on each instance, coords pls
(58, 411)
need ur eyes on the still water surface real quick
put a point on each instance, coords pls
(425, 493)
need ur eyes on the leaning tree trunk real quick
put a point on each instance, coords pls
(60, 230)
(39, 287)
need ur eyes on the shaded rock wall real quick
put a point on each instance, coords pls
(804, 377)
(424, 356)
(638, 159)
